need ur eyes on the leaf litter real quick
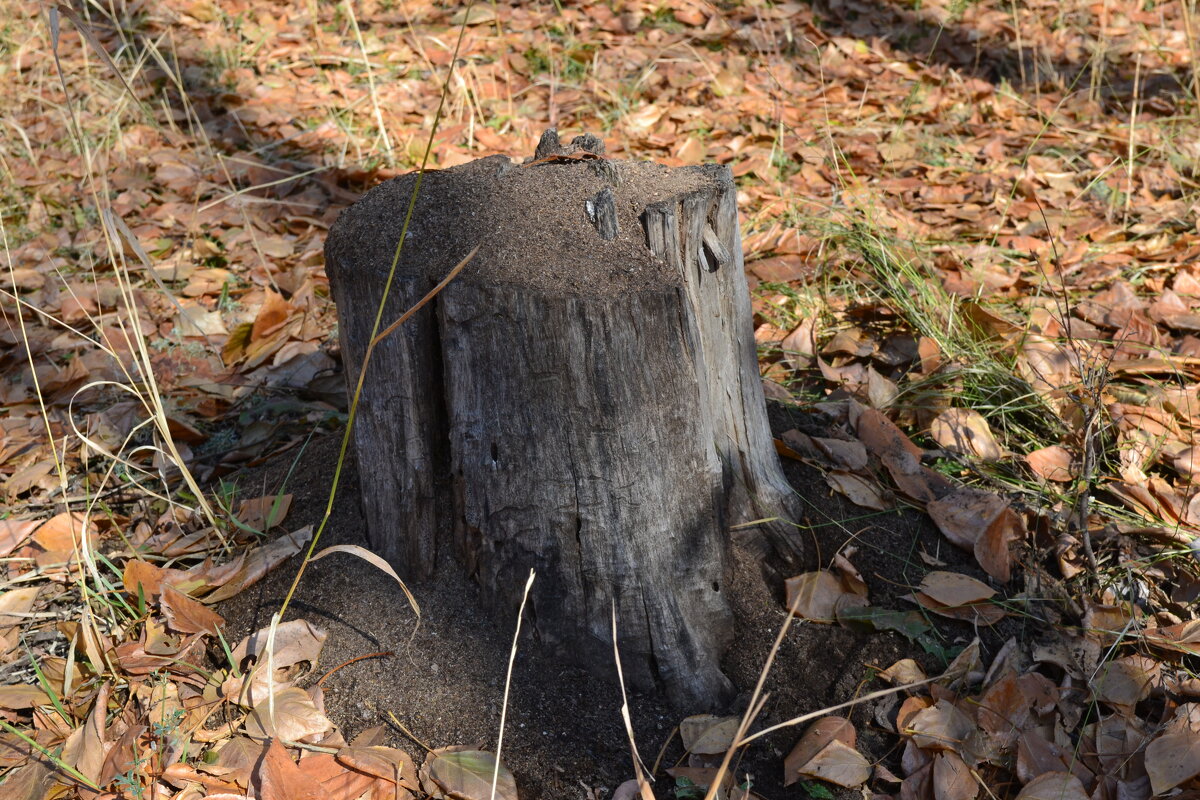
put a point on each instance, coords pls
(1035, 392)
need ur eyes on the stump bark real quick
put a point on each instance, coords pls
(583, 400)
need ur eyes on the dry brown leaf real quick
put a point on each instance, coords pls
(260, 561)
(993, 550)
(903, 671)
(1173, 759)
(799, 346)
(1054, 786)
(14, 605)
(19, 696)
(859, 490)
(837, 763)
(818, 595)
(280, 779)
(290, 715)
(1053, 463)
(14, 532)
(964, 515)
(882, 437)
(1124, 682)
(297, 642)
(187, 615)
(264, 513)
(708, 734)
(814, 739)
(63, 532)
(337, 780)
(940, 727)
(465, 773)
(964, 431)
(955, 589)
(1036, 756)
(916, 480)
(974, 613)
(846, 454)
(881, 392)
(151, 578)
(384, 763)
(952, 778)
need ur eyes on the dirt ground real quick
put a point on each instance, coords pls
(564, 734)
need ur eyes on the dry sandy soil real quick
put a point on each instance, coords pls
(564, 734)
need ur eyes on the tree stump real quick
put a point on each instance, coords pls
(583, 399)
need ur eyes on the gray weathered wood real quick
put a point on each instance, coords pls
(583, 400)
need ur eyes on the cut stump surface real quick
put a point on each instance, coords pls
(583, 400)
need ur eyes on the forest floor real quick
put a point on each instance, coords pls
(973, 236)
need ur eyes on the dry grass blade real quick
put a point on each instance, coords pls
(866, 698)
(512, 657)
(375, 561)
(639, 769)
(85, 31)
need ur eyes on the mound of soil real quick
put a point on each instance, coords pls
(564, 738)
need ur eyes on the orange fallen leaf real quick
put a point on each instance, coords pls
(1053, 463)
(187, 615)
(279, 778)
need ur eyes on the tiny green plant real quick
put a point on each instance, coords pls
(817, 791)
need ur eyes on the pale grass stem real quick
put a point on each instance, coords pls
(639, 769)
(387, 142)
(1129, 158)
(512, 657)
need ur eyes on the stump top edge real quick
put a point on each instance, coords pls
(572, 226)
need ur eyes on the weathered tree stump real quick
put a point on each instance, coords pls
(583, 400)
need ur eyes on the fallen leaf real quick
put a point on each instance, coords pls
(19, 696)
(903, 671)
(940, 727)
(296, 642)
(974, 613)
(14, 532)
(952, 778)
(816, 738)
(260, 561)
(1054, 786)
(465, 773)
(964, 431)
(993, 550)
(964, 515)
(955, 589)
(819, 595)
(708, 734)
(187, 615)
(1124, 682)
(290, 715)
(1053, 463)
(838, 764)
(14, 604)
(63, 532)
(859, 490)
(280, 779)
(1173, 759)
